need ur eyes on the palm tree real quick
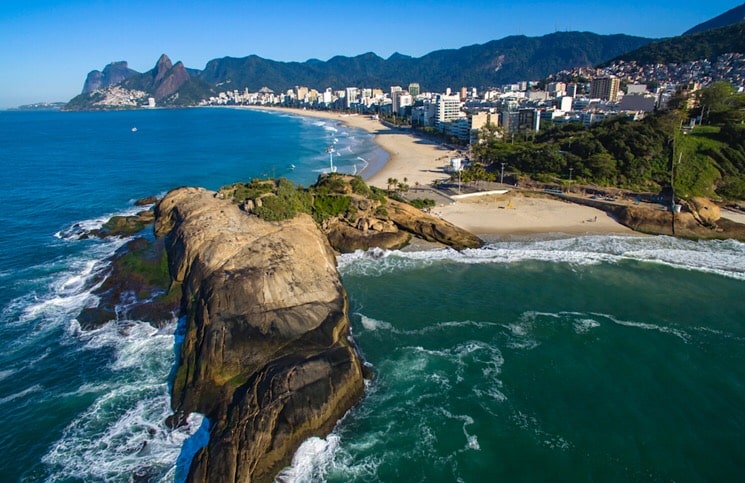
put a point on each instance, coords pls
(392, 182)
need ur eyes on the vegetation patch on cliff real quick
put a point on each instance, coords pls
(353, 215)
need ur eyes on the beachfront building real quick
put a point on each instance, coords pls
(424, 113)
(351, 97)
(301, 93)
(400, 100)
(447, 108)
(556, 89)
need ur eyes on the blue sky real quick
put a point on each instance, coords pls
(48, 47)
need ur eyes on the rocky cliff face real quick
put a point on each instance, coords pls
(112, 74)
(395, 229)
(431, 228)
(266, 356)
(168, 78)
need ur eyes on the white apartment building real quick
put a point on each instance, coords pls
(565, 103)
(447, 109)
(351, 96)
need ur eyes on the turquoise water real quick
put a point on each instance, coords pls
(576, 359)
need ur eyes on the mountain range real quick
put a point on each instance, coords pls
(483, 65)
(730, 17)
(708, 44)
(486, 65)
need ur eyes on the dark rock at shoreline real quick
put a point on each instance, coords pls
(266, 355)
(394, 230)
(431, 228)
(121, 225)
(658, 222)
(347, 239)
(137, 287)
(700, 220)
(146, 201)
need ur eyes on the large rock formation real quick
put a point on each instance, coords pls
(431, 228)
(112, 74)
(705, 211)
(266, 355)
(394, 229)
(168, 77)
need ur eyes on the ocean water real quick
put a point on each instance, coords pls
(593, 358)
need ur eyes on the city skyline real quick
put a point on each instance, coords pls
(50, 46)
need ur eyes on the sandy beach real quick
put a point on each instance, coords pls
(514, 213)
(419, 161)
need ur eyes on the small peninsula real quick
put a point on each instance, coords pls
(267, 354)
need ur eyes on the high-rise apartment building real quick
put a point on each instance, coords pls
(301, 92)
(447, 108)
(414, 89)
(352, 96)
(605, 88)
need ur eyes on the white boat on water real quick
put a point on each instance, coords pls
(134, 129)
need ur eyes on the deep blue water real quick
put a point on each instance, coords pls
(90, 406)
(572, 359)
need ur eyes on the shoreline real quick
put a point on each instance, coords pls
(513, 214)
(418, 160)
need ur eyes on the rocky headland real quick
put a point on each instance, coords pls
(267, 354)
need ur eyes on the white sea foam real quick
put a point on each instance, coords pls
(7, 373)
(121, 436)
(65, 292)
(372, 324)
(462, 362)
(21, 394)
(725, 258)
(81, 228)
(531, 425)
(585, 322)
(648, 326)
(472, 442)
(585, 325)
(311, 460)
(123, 432)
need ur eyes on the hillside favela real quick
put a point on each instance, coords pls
(517, 260)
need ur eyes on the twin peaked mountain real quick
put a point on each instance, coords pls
(118, 86)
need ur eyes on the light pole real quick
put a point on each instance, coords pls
(570, 178)
(501, 176)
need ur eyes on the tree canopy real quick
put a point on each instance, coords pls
(638, 155)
